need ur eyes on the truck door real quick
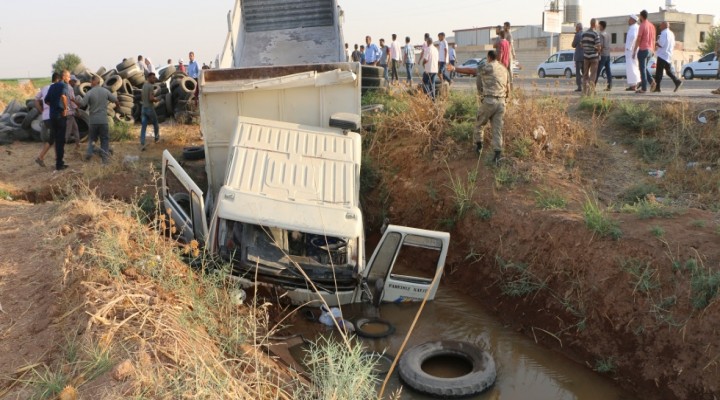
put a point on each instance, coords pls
(404, 264)
(183, 202)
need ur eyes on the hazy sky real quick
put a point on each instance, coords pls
(34, 32)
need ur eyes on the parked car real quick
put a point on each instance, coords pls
(705, 67)
(617, 67)
(470, 66)
(559, 64)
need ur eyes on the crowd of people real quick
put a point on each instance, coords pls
(58, 105)
(592, 54)
(436, 59)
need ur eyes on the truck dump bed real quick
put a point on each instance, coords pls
(283, 32)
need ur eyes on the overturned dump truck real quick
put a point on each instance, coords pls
(283, 157)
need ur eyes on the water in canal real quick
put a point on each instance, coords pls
(525, 370)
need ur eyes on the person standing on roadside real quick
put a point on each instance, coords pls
(141, 64)
(604, 64)
(632, 68)
(503, 50)
(493, 88)
(57, 101)
(444, 57)
(372, 52)
(193, 70)
(591, 52)
(408, 52)
(355, 55)
(181, 66)
(453, 58)
(384, 56)
(347, 53)
(72, 132)
(509, 38)
(430, 64)
(395, 58)
(46, 129)
(97, 99)
(148, 110)
(362, 54)
(665, 46)
(644, 44)
(579, 55)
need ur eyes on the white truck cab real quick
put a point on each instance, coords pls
(282, 157)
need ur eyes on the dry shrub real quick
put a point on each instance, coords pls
(180, 329)
(544, 122)
(682, 136)
(423, 121)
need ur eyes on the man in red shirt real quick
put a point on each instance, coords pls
(503, 49)
(643, 45)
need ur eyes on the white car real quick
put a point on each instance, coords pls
(617, 67)
(559, 64)
(705, 67)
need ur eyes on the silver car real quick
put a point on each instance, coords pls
(705, 67)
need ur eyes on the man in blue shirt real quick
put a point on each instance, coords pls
(57, 101)
(372, 52)
(193, 70)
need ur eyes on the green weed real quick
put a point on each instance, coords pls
(483, 213)
(550, 199)
(598, 221)
(461, 131)
(637, 117)
(519, 281)
(657, 231)
(47, 383)
(120, 131)
(4, 194)
(522, 146)
(649, 149)
(596, 105)
(505, 176)
(606, 365)
(648, 208)
(392, 105)
(462, 190)
(461, 107)
(704, 285)
(698, 223)
(339, 371)
(639, 192)
(645, 276)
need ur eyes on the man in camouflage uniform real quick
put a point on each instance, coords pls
(492, 85)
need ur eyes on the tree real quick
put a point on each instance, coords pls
(712, 37)
(68, 61)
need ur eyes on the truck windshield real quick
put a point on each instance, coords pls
(271, 246)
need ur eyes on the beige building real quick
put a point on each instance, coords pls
(533, 46)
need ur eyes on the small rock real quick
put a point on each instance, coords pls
(123, 370)
(65, 229)
(69, 393)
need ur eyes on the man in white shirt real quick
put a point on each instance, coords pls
(444, 57)
(430, 63)
(632, 66)
(395, 57)
(664, 50)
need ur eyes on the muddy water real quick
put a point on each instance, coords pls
(525, 370)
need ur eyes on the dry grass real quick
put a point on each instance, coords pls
(180, 329)
(10, 90)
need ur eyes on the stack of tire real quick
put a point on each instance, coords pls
(20, 121)
(372, 78)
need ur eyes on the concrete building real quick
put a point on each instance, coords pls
(533, 46)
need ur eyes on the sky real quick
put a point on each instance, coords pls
(33, 33)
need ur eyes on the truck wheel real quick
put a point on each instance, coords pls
(481, 371)
(194, 153)
(372, 71)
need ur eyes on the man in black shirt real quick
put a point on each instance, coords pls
(57, 101)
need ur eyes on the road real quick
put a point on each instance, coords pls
(696, 89)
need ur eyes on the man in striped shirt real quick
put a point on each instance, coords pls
(591, 57)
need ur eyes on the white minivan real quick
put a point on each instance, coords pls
(559, 64)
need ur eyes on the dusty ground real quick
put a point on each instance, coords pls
(590, 302)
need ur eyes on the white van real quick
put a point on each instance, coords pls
(559, 64)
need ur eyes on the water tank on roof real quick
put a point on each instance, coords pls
(573, 11)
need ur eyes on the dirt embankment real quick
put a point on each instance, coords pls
(641, 308)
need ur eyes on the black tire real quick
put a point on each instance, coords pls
(169, 103)
(126, 87)
(100, 71)
(541, 73)
(30, 103)
(688, 74)
(82, 119)
(113, 83)
(126, 64)
(17, 119)
(125, 98)
(481, 376)
(371, 71)
(373, 82)
(129, 71)
(193, 153)
(79, 69)
(108, 74)
(30, 117)
(167, 73)
(22, 135)
(362, 328)
(125, 118)
(568, 73)
(137, 80)
(124, 110)
(188, 85)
